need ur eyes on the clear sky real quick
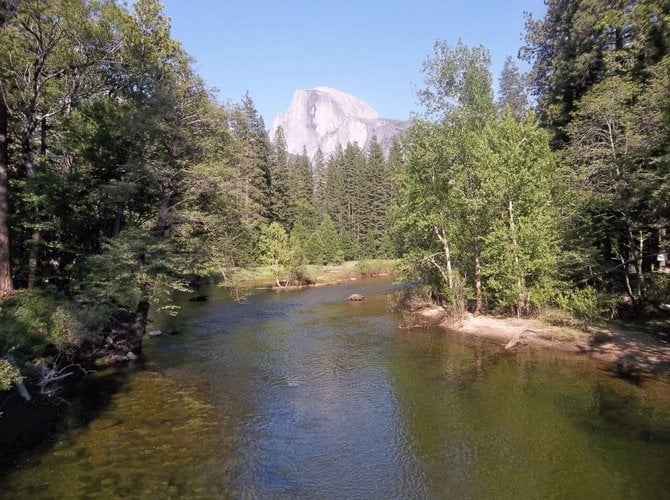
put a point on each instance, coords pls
(370, 49)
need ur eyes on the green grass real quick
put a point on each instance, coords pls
(328, 274)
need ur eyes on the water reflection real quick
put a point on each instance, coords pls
(304, 394)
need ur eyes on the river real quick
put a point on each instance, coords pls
(303, 394)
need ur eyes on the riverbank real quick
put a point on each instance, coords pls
(49, 344)
(630, 349)
(315, 275)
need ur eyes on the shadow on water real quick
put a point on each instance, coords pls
(28, 430)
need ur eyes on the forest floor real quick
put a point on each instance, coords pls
(633, 349)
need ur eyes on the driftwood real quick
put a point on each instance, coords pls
(518, 338)
(52, 374)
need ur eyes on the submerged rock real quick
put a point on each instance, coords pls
(155, 333)
(628, 366)
(354, 297)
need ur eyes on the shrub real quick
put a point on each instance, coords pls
(367, 268)
(32, 322)
(582, 302)
(657, 291)
(8, 375)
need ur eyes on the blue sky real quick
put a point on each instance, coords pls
(371, 49)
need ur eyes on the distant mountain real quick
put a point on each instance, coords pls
(323, 117)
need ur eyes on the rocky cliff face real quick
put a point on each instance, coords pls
(323, 117)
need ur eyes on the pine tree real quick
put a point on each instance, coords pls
(379, 198)
(335, 189)
(320, 180)
(252, 158)
(512, 90)
(280, 182)
(348, 247)
(300, 177)
(353, 202)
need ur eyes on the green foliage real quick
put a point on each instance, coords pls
(279, 180)
(369, 249)
(657, 291)
(275, 250)
(8, 375)
(252, 159)
(357, 194)
(457, 80)
(578, 44)
(374, 267)
(33, 322)
(475, 197)
(348, 248)
(322, 246)
(582, 302)
(512, 90)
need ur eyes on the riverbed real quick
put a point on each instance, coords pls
(302, 394)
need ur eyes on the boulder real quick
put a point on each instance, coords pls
(354, 297)
(155, 333)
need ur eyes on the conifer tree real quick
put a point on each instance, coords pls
(335, 189)
(280, 182)
(352, 203)
(379, 197)
(320, 178)
(300, 177)
(512, 90)
(252, 158)
(348, 247)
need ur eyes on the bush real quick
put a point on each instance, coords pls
(8, 375)
(33, 322)
(367, 268)
(411, 297)
(582, 302)
(657, 291)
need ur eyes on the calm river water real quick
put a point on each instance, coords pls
(302, 394)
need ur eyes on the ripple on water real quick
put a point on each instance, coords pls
(304, 394)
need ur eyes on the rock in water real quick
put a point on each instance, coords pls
(355, 298)
(324, 117)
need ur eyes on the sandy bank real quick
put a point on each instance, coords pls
(631, 352)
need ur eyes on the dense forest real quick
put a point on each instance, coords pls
(509, 206)
(123, 178)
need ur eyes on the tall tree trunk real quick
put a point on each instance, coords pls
(142, 312)
(442, 236)
(163, 211)
(139, 325)
(29, 165)
(478, 281)
(118, 219)
(6, 284)
(521, 306)
(633, 254)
